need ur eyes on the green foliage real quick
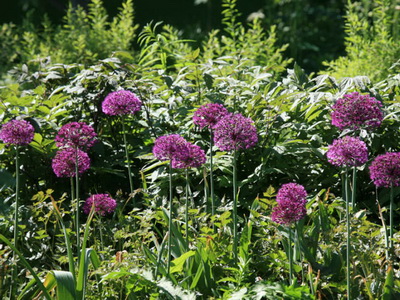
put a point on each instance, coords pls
(372, 41)
(84, 36)
(242, 68)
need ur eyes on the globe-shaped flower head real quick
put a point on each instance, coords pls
(65, 161)
(121, 103)
(76, 135)
(355, 111)
(385, 170)
(209, 114)
(166, 147)
(17, 132)
(291, 207)
(190, 156)
(234, 132)
(103, 204)
(347, 152)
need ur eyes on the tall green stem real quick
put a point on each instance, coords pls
(235, 233)
(187, 209)
(77, 223)
(348, 236)
(353, 194)
(16, 227)
(290, 256)
(211, 175)
(391, 222)
(169, 220)
(127, 156)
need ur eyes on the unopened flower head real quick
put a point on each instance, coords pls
(77, 135)
(103, 204)
(209, 114)
(166, 147)
(291, 207)
(347, 152)
(234, 132)
(17, 132)
(385, 170)
(121, 103)
(355, 111)
(65, 161)
(190, 156)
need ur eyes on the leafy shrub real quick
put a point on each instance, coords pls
(372, 42)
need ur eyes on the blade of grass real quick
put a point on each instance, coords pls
(27, 265)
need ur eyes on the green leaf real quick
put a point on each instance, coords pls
(65, 283)
(180, 261)
(28, 266)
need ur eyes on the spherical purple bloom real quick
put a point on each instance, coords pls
(291, 207)
(76, 135)
(17, 132)
(292, 192)
(190, 156)
(354, 111)
(209, 114)
(65, 161)
(103, 204)
(234, 132)
(167, 146)
(121, 103)
(385, 170)
(347, 152)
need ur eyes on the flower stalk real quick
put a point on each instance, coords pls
(127, 157)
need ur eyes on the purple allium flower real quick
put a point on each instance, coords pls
(190, 156)
(103, 204)
(291, 206)
(166, 147)
(121, 103)
(234, 132)
(354, 111)
(385, 170)
(209, 114)
(76, 134)
(347, 152)
(65, 160)
(17, 132)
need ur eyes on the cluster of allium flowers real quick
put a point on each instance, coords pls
(209, 114)
(347, 152)
(355, 111)
(65, 161)
(234, 132)
(190, 156)
(385, 170)
(121, 103)
(17, 132)
(291, 207)
(103, 204)
(166, 147)
(77, 135)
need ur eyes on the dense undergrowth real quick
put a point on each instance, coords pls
(64, 75)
